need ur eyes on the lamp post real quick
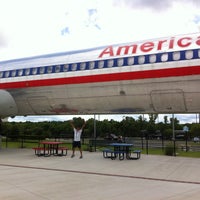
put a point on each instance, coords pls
(124, 118)
(173, 132)
(95, 134)
(186, 129)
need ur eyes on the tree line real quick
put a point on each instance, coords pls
(127, 127)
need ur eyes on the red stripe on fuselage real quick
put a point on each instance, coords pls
(159, 73)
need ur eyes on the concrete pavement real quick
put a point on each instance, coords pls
(24, 176)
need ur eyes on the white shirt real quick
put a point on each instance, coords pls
(77, 135)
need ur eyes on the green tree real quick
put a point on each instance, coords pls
(14, 131)
(167, 133)
(127, 126)
(151, 127)
(177, 126)
(195, 130)
(166, 120)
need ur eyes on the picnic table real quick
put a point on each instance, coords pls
(49, 148)
(121, 150)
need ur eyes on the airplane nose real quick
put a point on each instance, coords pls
(7, 104)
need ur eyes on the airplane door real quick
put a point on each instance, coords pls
(168, 101)
(40, 105)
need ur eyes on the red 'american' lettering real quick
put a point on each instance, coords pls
(147, 47)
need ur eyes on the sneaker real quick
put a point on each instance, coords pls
(81, 157)
(72, 155)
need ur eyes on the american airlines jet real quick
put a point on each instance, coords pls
(153, 76)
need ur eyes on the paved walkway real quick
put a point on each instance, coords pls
(24, 176)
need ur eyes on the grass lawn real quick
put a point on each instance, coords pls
(157, 151)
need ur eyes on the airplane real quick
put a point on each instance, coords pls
(150, 76)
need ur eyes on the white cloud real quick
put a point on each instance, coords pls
(35, 26)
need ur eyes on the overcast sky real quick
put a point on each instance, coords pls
(33, 27)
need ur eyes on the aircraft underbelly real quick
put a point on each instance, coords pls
(142, 96)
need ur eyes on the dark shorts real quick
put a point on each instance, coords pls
(76, 144)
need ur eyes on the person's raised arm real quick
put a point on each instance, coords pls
(71, 122)
(83, 125)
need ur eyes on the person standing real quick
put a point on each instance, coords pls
(77, 139)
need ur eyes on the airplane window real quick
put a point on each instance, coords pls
(74, 67)
(20, 72)
(82, 66)
(189, 54)
(42, 69)
(152, 58)
(164, 57)
(176, 55)
(1, 74)
(130, 60)
(49, 69)
(65, 67)
(199, 53)
(110, 63)
(7, 73)
(57, 68)
(13, 73)
(120, 62)
(34, 71)
(100, 64)
(141, 59)
(91, 65)
(27, 71)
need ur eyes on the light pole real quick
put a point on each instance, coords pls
(173, 132)
(124, 118)
(95, 134)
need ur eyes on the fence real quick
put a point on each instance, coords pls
(93, 144)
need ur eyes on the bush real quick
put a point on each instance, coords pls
(169, 150)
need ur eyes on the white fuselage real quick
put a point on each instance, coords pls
(154, 76)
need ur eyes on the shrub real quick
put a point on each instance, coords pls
(169, 150)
